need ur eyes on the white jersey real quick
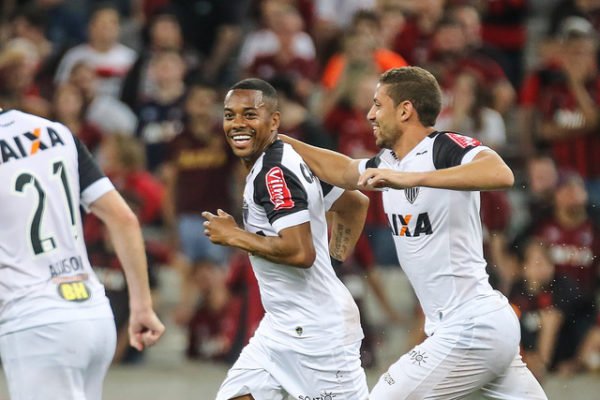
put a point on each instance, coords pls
(305, 308)
(437, 232)
(45, 275)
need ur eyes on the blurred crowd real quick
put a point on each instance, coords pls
(141, 83)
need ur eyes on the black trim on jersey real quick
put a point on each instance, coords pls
(375, 161)
(325, 187)
(446, 152)
(273, 158)
(89, 171)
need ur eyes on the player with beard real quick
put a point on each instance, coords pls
(431, 182)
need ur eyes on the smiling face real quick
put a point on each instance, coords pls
(382, 116)
(250, 122)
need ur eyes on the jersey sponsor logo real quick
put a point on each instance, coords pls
(279, 193)
(28, 144)
(401, 225)
(411, 194)
(418, 357)
(74, 291)
(463, 141)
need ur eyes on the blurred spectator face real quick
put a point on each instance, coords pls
(18, 64)
(537, 266)
(468, 18)
(570, 195)
(68, 101)
(465, 88)
(201, 103)
(166, 68)
(104, 28)
(121, 154)
(581, 50)
(359, 49)
(363, 97)
(83, 76)
(392, 21)
(165, 33)
(449, 39)
(542, 175)
(208, 277)
(430, 8)
(287, 21)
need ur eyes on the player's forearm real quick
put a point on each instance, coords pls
(127, 240)
(329, 166)
(274, 248)
(486, 172)
(347, 224)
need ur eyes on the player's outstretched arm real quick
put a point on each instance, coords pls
(144, 326)
(487, 171)
(293, 246)
(349, 214)
(329, 166)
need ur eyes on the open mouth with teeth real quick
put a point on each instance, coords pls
(240, 140)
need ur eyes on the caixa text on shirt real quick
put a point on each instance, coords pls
(28, 144)
(404, 225)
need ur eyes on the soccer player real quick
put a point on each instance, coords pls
(431, 181)
(307, 345)
(57, 331)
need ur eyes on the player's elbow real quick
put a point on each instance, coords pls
(304, 258)
(506, 178)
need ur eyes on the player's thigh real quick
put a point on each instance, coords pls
(455, 362)
(322, 374)
(250, 375)
(269, 371)
(56, 359)
(516, 383)
(102, 338)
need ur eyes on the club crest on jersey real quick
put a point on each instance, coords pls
(463, 141)
(411, 194)
(27, 144)
(279, 193)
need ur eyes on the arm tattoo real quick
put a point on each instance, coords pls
(340, 240)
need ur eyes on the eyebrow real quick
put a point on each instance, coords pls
(245, 108)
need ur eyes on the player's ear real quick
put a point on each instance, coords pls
(275, 121)
(404, 110)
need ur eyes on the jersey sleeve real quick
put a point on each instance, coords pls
(451, 149)
(280, 192)
(383, 159)
(330, 194)
(92, 181)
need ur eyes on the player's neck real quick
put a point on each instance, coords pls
(410, 139)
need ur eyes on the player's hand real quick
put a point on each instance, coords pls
(380, 178)
(144, 329)
(219, 228)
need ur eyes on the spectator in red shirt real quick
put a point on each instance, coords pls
(561, 108)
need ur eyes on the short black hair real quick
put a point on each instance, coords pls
(264, 87)
(418, 86)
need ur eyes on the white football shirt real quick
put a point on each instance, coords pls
(45, 275)
(437, 232)
(306, 309)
